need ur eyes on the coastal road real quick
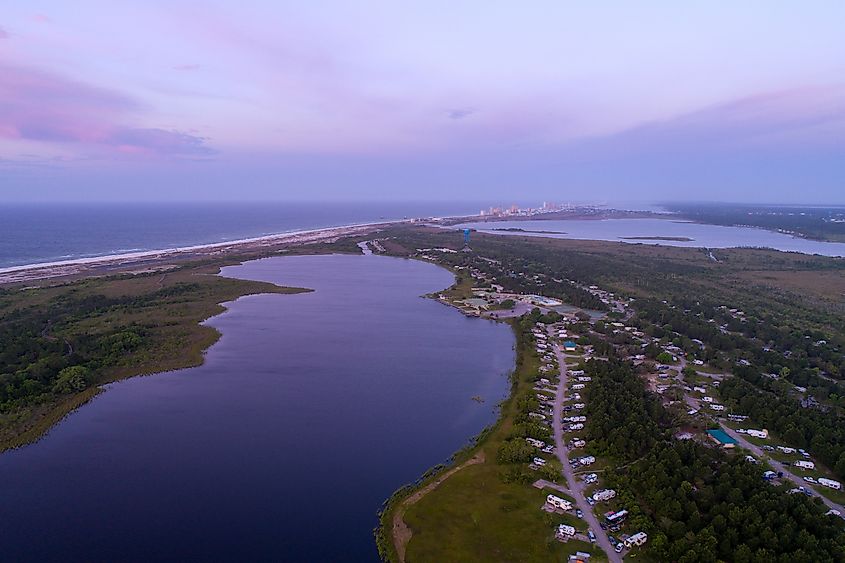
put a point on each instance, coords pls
(576, 487)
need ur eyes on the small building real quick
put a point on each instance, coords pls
(569, 346)
(720, 437)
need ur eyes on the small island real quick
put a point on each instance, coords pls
(675, 239)
(518, 230)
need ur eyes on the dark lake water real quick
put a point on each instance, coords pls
(308, 413)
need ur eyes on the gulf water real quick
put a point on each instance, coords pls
(37, 233)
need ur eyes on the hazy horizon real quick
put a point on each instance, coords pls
(478, 101)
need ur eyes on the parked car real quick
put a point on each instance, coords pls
(592, 536)
(619, 547)
(579, 513)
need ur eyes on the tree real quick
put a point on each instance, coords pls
(72, 379)
(664, 358)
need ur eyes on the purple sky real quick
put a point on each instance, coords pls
(473, 100)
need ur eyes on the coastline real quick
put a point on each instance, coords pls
(152, 258)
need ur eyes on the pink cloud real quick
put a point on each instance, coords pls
(40, 106)
(800, 119)
(186, 67)
(41, 18)
(3, 33)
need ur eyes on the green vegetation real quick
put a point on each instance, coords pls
(489, 511)
(812, 222)
(60, 342)
(822, 433)
(695, 502)
(773, 319)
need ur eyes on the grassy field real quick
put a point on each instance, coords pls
(475, 516)
(173, 336)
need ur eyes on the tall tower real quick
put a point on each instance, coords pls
(466, 247)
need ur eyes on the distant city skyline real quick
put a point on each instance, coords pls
(486, 101)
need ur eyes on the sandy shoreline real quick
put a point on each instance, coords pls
(154, 259)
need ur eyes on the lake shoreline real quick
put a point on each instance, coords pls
(200, 337)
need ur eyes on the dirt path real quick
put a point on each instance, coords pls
(401, 532)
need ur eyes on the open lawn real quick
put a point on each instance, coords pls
(475, 515)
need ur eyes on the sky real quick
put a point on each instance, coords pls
(468, 100)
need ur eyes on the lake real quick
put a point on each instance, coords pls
(307, 414)
(702, 235)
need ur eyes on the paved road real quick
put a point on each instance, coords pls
(760, 453)
(778, 466)
(576, 487)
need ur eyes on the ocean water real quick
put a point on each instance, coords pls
(307, 414)
(35, 233)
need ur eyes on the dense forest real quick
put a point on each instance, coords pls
(696, 502)
(820, 432)
(41, 357)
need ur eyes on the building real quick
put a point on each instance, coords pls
(541, 301)
(720, 437)
(569, 346)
